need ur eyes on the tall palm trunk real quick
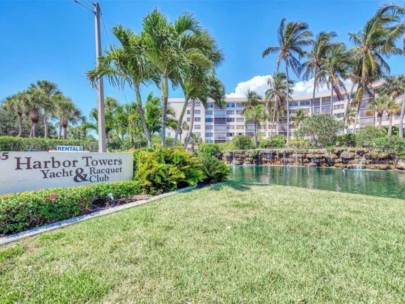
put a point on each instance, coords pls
(314, 93)
(65, 131)
(142, 115)
(45, 118)
(357, 118)
(288, 106)
(60, 130)
(165, 91)
(20, 127)
(255, 133)
(331, 100)
(180, 121)
(347, 106)
(190, 130)
(401, 118)
(390, 124)
(380, 117)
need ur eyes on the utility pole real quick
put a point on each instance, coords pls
(102, 141)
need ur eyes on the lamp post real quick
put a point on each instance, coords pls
(102, 142)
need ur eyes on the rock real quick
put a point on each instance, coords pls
(401, 164)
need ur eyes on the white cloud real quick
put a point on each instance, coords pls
(259, 84)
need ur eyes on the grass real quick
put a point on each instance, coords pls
(226, 243)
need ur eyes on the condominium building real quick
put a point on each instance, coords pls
(214, 124)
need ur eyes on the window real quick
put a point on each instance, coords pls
(317, 102)
(188, 119)
(238, 112)
(240, 127)
(209, 127)
(293, 104)
(229, 134)
(337, 107)
(209, 134)
(220, 120)
(220, 128)
(240, 119)
(207, 119)
(197, 127)
(230, 119)
(326, 109)
(339, 115)
(197, 104)
(197, 119)
(188, 111)
(220, 113)
(210, 106)
(304, 103)
(208, 112)
(197, 112)
(240, 105)
(230, 105)
(230, 112)
(325, 101)
(230, 127)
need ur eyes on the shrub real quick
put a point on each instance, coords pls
(321, 129)
(10, 143)
(163, 169)
(365, 137)
(276, 141)
(214, 169)
(22, 211)
(300, 143)
(207, 149)
(346, 140)
(242, 142)
(392, 144)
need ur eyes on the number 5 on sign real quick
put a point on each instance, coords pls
(3, 155)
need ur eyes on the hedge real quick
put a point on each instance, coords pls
(23, 211)
(10, 143)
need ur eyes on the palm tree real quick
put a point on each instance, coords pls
(255, 115)
(48, 90)
(210, 87)
(299, 117)
(32, 100)
(184, 126)
(376, 40)
(277, 95)
(392, 108)
(170, 47)
(67, 112)
(377, 107)
(336, 65)
(127, 64)
(316, 55)
(292, 37)
(15, 104)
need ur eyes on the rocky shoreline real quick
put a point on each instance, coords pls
(351, 158)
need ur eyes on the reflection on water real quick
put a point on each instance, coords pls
(377, 183)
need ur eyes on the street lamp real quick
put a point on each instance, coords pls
(102, 142)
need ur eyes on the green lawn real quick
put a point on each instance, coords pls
(226, 243)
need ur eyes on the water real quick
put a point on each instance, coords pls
(376, 183)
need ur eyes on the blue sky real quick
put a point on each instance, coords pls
(54, 39)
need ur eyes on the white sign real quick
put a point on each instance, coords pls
(69, 148)
(28, 171)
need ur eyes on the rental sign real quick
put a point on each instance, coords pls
(29, 171)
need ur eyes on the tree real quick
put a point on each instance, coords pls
(292, 37)
(48, 90)
(67, 112)
(377, 107)
(299, 117)
(15, 104)
(255, 115)
(316, 56)
(376, 40)
(210, 87)
(335, 65)
(154, 112)
(32, 102)
(392, 108)
(171, 47)
(279, 91)
(128, 64)
(320, 129)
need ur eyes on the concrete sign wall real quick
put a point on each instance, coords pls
(29, 171)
